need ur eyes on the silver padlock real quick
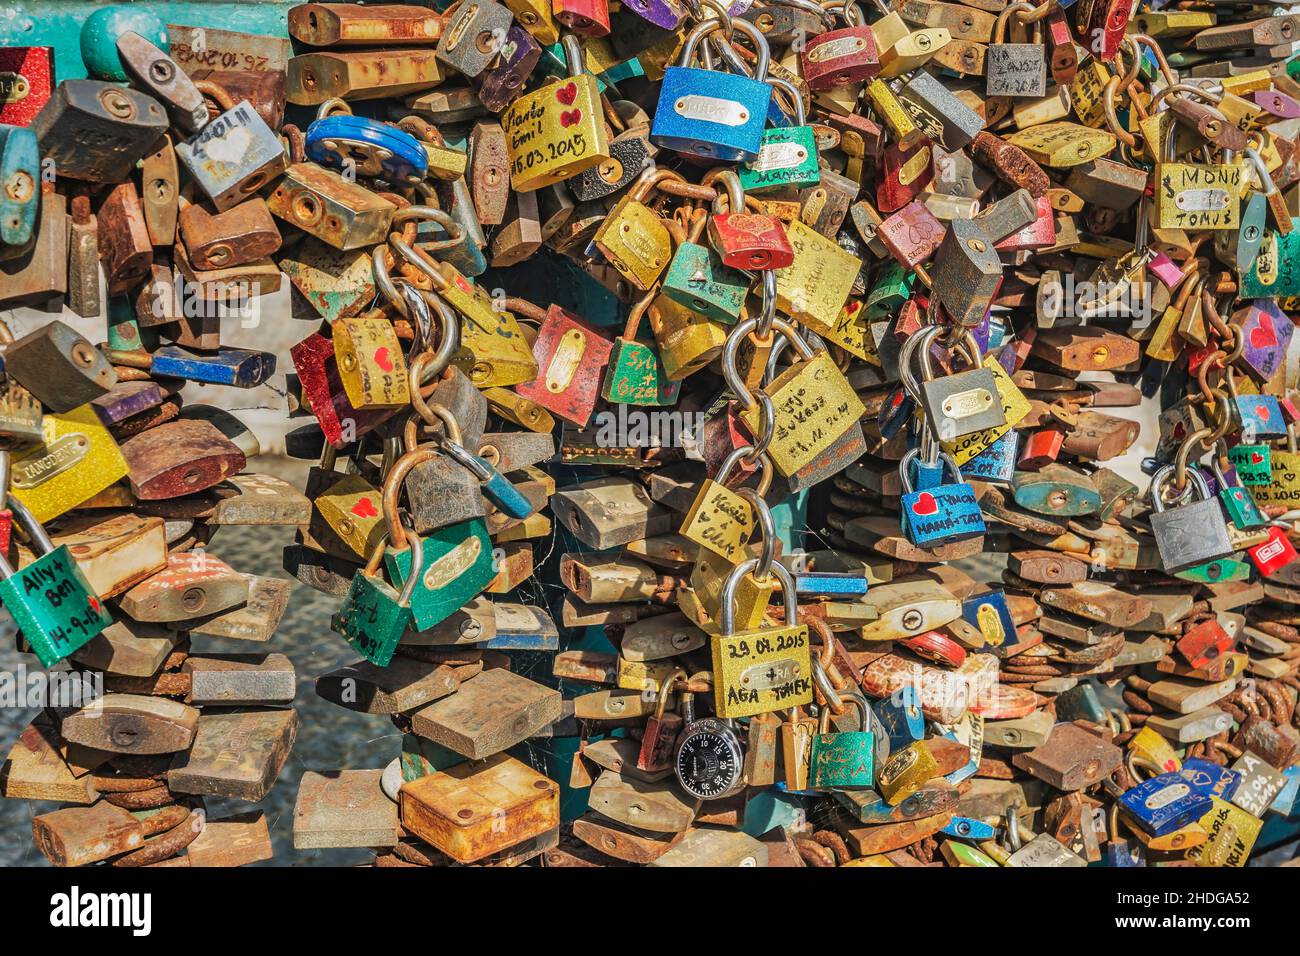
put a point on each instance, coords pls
(957, 404)
(1192, 533)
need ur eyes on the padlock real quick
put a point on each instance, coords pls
(787, 155)
(709, 761)
(721, 519)
(697, 280)
(712, 114)
(760, 669)
(450, 566)
(374, 616)
(746, 240)
(323, 204)
(557, 131)
(1016, 69)
(1236, 500)
(967, 272)
(157, 74)
(941, 115)
(316, 77)
(840, 57)
(127, 252)
(588, 18)
(941, 513)
(571, 357)
(845, 759)
(363, 147)
(956, 404)
(234, 156)
(635, 375)
(659, 739)
(97, 131)
(635, 239)
(20, 177)
(1187, 534)
(242, 234)
(50, 600)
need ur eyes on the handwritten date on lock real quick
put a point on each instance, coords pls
(762, 671)
(534, 126)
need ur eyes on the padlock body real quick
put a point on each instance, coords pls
(940, 515)
(234, 156)
(840, 58)
(762, 670)
(457, 567)
(371, 619)
(555, 132)
(786, 157)
(711, 114)
(697, 279)
(842, 761)
(1190, 534)
(54, 606)
(1016, 69)
(636, 376)
(963, 403)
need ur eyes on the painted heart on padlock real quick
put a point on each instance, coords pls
(925, 504)
(94, 604)
(365, 508)
(1256, 458)
(1263, 336)
(571, 118)
(1262, 412)
(567, 93)
(382, 359)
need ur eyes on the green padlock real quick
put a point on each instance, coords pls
(697, 279)
(787, 156)
(374, 616)
(842, 760)
(1252, 463)
(892, 287)
(1236, 500)
(636, 375)
(1218, 571)
(455, 562)
(50, 599)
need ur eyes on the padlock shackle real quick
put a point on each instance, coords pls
(665, 689)
(766, 530)
(800, 114)
(727, 612)
(730, 371)
(334, 106)
(412, 541)
(36, 533)
(749, 454)
(1019, 8)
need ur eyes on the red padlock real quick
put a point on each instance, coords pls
(1041, 448)
(1274, 554)
(1204, 643)
(745, 240)
(571, 358)
(903, 175)
(1065, 58)
(26, 82)
(323, 393)
(1101, 25)
(590, 18)
(844, 56)
(933, 646)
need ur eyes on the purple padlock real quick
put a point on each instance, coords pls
(667, 14)
(500, 84)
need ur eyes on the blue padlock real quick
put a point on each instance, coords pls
(20, 174)
(895, 412)
(967, 828)
(942, 513)
(990, 614)
(900, 715)
(1259, 416)
(997, 463)
(709, 113)
(1165, 803)
(1209, 778)
(367, 147)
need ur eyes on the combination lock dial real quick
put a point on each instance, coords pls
(709, 760)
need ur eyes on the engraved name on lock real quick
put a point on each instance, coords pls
(13, 87)
(60, 455)
(452, 565)
(770, 675)
(711, 109)
(973, 401)
(775, 156)
(564, 363)
(844, 46)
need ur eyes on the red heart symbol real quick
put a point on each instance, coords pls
(1256, 458)
(365, 508)
(1263, 336)
(570, 118)
(925, 504)
(94, 604)
(1262, 412)
(567, 93)
(382, 359)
